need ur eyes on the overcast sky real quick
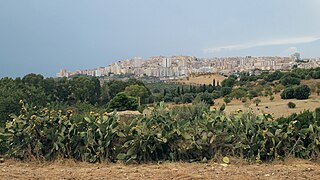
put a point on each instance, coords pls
(42, 36)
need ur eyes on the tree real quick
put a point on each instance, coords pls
(133, 81)
(206, 97)
(225, 91)
(49, 87)
(33, 80)
(85, 89)
(136, 91)
(34, 96)
(187, 98)
(123, 102)
(215, 94)
(278, 88)
(229, 82)
(105, 98)
(290, 81)
(63, 93)
(274, 76)
(318, 88)
(238, 93)
(116, 86)
(10, 95)
(227, 100)
(156, 90)
(182, 90)
(302, 92)
(178, 92)
(168, 97)
(218, 83)
(316, 75)
(177, 100)
(288, 93)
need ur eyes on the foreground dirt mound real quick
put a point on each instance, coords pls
(293, 169)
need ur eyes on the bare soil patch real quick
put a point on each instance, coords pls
(292, 169)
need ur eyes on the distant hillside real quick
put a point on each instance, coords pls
(201, 79)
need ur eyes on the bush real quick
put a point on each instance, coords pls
(291, 105)
(238, 93)
(187, 98)
(225, 91)
(168, 97)
(290, 81)
(227, 100)
(302, 92)
(177, 100)
(253, 93)
(206, 97)
(215, 94)
(288, 93)
(123, 102)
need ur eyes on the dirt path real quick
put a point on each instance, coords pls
(294, 169)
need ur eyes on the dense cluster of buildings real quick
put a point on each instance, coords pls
(181, 66)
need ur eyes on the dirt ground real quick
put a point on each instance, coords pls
(289, 169)
(278, 107)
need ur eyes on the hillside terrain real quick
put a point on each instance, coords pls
(201, 79)
(278, 107)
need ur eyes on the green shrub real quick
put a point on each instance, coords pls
(227, 100)
(291, 105)
(290, 81)
(302, 92)
(287, 93)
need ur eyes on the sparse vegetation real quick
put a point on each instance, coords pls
(257, 101)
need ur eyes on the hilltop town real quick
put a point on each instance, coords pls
(176, 67)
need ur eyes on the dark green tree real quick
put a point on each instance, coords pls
(287, 93)
(137, 91)
(290, 81)
(229, 82)
(123, 102)
(225, 91)
(116, 86)
(302, 92)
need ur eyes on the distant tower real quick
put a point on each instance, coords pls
(62, 73)
(166, 62)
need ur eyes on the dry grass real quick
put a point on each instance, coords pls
(201, 79)
(278, 107)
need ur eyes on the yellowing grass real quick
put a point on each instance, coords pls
(278, 107)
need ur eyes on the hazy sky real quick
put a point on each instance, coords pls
(42, 36)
